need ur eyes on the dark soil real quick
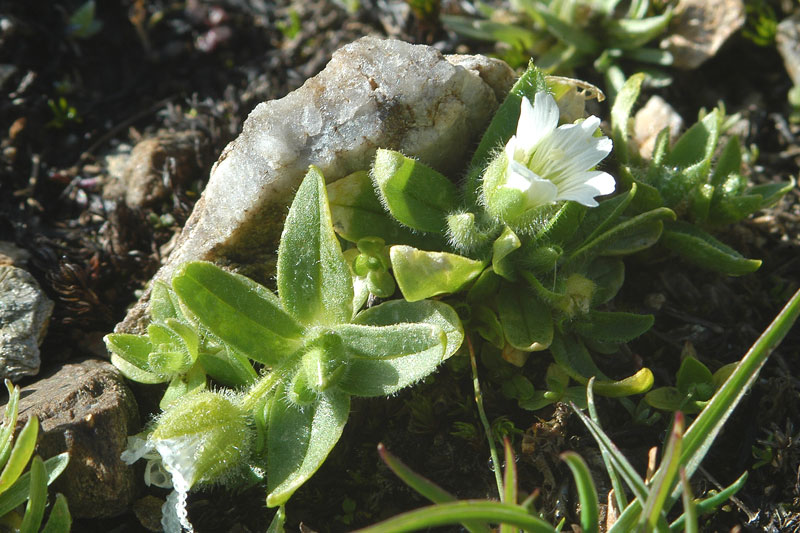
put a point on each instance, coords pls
(201, 66)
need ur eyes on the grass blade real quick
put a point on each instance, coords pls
(34, 511)
(20, 454)
(59, 520)
(587, 493)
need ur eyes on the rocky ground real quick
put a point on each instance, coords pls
(107, 137)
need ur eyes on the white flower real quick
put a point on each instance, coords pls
(548, 163)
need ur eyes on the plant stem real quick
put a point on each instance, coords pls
(485, 421)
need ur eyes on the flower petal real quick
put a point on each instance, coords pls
(535, 122)
(538, 191)
(583, 187)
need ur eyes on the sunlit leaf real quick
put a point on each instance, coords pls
(422, 274)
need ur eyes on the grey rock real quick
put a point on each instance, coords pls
(373, 94)
(24, 315)
(700, 27)
(788, 44)
(648, 122)
(87, 410)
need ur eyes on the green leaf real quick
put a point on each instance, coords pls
(357, 213)
(182, 385)
(608, 274)
(701, 249)
(568, 33)
(504, 123)
(502, 247)
(601, 217)
(228, 366)
(34, 511)
(163, 303)
(631, 235)
(729, 162)
(614, 327)
(485, 323)
(424, 312)
(561, 225)
(527, 321)
(14, 496)
(314, 282)
(9, 423)
(631, 34)
(697, 144)
(620, 117)
(299, 440)
(489, 30)
(661, 484)
(20, 454)
(772, 192)
(556, 378)
(587, 493)
(238, 311)
(415, 194)
(422, 274)
(59, 520)
(710, 504)
(692, 372)
(384, 359)
(638, 383)
(130, 354)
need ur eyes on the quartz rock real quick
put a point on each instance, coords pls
(373, 94)
(24, 315)
(87, 410)
(648, 122)
(700, 27)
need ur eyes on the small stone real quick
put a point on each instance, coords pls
(148, 512)
(11, 254)
(648, 122)
(787, 40)
(373, 94)
(158, 164)
(699, 28)
(24, 315)
(87, 410)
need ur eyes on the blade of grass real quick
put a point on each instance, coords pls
(456, 512)
(616, 483)
(707, 505)
(18, 493)
(587, 493)
(424, 486)
(20, 454)
(689, 507)
(59, 520)
(34, 511)
(663, 480)
(9, 422)
(509, 482)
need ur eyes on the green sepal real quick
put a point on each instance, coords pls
(430, 312)
(703, 250)
(299, 440)
(358, 213)
(421, 274)
(130, 354)
(384, 359)
(238, 311)
(182, 385)
(314, 282)
(504, 123)
(415, 194)
(503, 246)
(527, 321)
(615, 327)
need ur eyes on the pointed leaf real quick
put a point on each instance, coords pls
(228, 366)
(701, 249)
(631, 33)
(37, 498)
(608, 274)
(629, 236)
(422, 274)
(415, 194)
(697, 144)
(299, 440)
(692, 372)
(135, 351)
(134, 373)
(59, 520)
(429, 312)
(18, 492)
(163, 303)
(620, 117)
(772, 192)
(587, 492)
(527, 321)
(9, 423)
(314, 282)
(238, 311)
(601, 217)
(729, 162)
(384, 359)
(20, 454)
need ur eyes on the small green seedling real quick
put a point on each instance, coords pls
(694, 386)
